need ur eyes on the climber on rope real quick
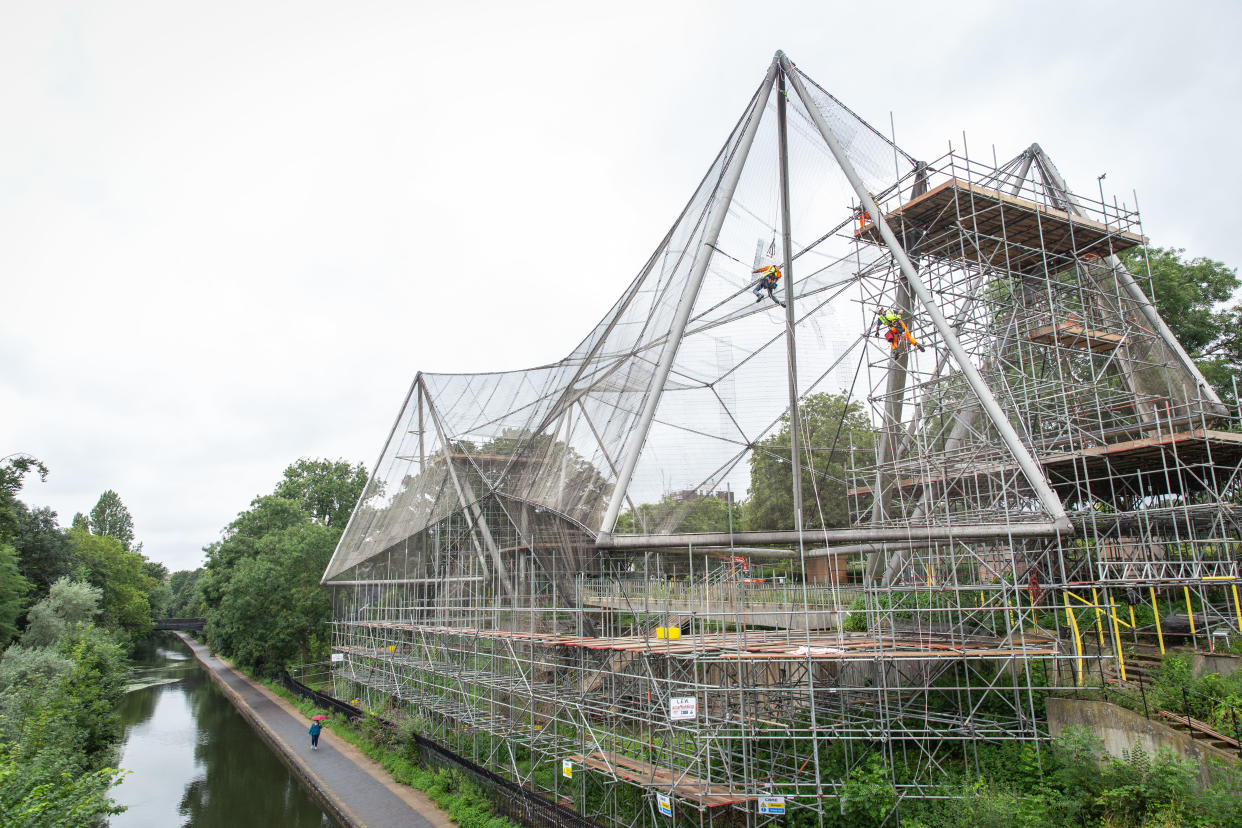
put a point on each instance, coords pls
(890, 323)
(864, 216)
(771, 275)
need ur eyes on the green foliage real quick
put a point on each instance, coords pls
(271, 606)
(831, 425)
(58, 722)
(68, 603)
(1072, 782)
(99, 664)
(160, 594)
(856, 620)
(111, 519)
(1212, 698)
(119, 574)
(13, 471)
(1190, 295)
(324, 489)
(42, 548)
(13, 589)
(52, 795)
(24, 666)
(260, 589)
(186, 600)
(867, 797)
(674, 514)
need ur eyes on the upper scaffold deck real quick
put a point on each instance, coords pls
(645, 774)
(1004, 231)
(752, 645)
(1180, 462)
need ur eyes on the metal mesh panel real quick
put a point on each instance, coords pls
(1036, 445)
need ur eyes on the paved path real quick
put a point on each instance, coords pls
(359, 792)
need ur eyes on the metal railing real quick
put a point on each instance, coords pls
(739, 596)
(1196, 708)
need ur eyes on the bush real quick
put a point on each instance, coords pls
(58, 729)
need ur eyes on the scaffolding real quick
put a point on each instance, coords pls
(550, 573)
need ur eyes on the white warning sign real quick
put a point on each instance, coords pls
(683, 707)
(774, 805)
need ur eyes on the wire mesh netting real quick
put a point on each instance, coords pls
(601, 564)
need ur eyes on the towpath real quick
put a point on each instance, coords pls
(358, 792)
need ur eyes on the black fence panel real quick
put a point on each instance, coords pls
(508, 799)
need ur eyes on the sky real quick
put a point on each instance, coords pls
(231, 232)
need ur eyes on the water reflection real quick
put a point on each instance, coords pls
(194, 760)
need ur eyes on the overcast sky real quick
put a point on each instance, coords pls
(231, 232)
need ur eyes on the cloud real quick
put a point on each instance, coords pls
(230, 234)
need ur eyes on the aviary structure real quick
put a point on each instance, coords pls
(550, 572)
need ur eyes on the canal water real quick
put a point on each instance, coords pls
(193, 760)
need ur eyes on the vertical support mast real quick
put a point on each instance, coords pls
(791, 349)
(720, 209)
(1030, 469)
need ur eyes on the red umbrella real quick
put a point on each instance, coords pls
(319, 718)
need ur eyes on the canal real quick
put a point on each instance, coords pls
(193, 759)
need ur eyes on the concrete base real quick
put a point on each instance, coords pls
(1204, 663)
(1121, 729)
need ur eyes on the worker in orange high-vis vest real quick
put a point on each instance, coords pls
(771, 275)
(895, 331)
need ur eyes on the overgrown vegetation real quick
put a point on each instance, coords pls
(1073, 782)
(76, 600)
(259, 590)
(59, 691)
(1214, 698)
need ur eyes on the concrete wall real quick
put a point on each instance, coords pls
(1121, 729)
(1205, 663)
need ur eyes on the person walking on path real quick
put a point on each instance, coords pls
(314, 731)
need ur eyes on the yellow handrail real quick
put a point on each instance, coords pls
(1156, 610)
(1077, 642)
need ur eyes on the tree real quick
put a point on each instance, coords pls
(260, 589)
(325, 489)
(119, 574)
(68, 603)
(43, 549)
(110, 518)
(159, 596)
(58, 720)
(1190, 296)
(13, 471)
(186, 600)
(272, 610)
(674, 514)
(832, 427)
(13, 589)
(98, 680)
